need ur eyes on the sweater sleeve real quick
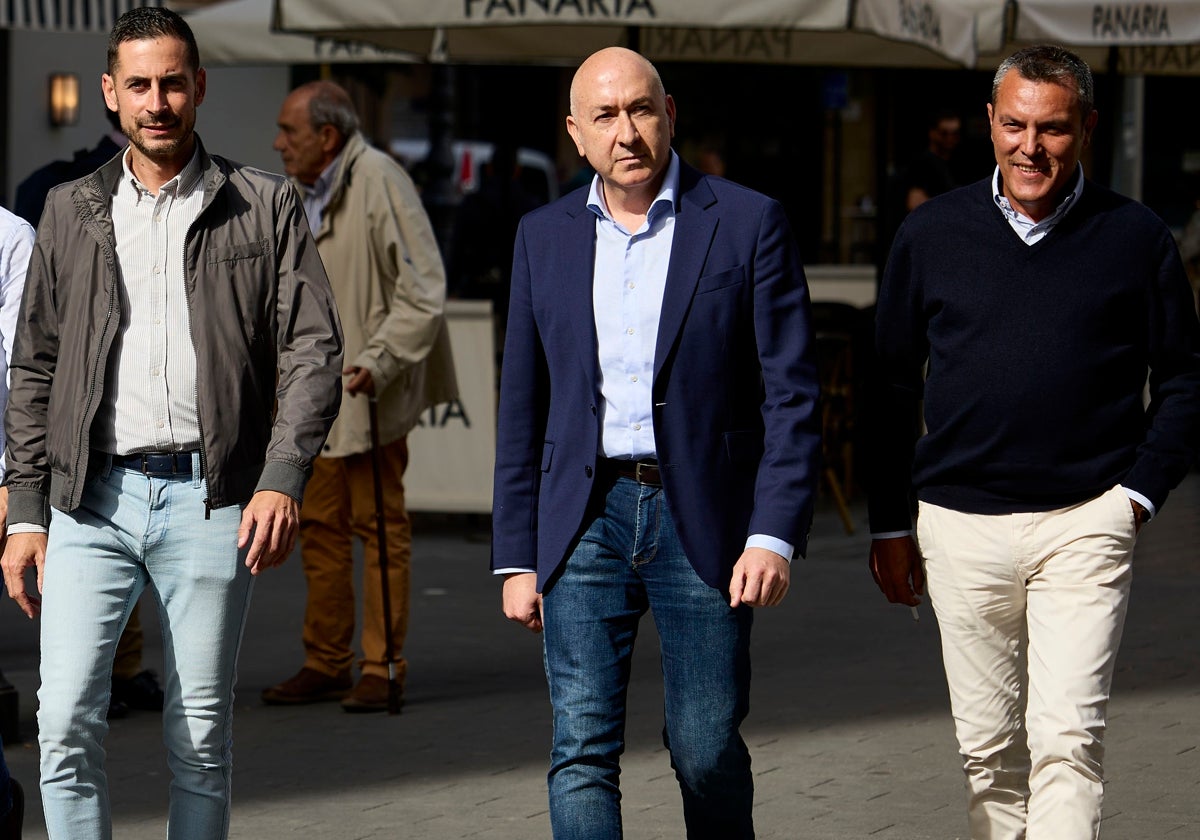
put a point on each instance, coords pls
(1173, 415)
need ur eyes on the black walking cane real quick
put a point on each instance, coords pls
(393, 701)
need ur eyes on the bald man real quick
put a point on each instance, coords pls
(657, 448)
(386, 271)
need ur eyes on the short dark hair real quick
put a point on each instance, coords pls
(149, 22)
(1051, 63)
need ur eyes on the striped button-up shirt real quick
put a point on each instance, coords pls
(149, 400)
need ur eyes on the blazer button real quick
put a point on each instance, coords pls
(593, 411)
(587, 471)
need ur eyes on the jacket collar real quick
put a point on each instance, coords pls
(94, 192)
(348, 156)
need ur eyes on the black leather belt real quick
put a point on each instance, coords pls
(643, 472)
(156, 463)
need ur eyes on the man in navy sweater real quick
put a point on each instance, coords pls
(1038, 302)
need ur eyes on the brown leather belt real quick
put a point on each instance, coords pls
(643, 472)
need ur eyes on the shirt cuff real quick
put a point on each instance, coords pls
(783, 549)
(514, 571)
(26, 528)
(1135, 496)
(891, 535)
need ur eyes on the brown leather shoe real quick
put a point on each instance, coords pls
(307, 686)
(370, 695)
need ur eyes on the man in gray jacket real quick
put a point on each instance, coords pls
(175, 372)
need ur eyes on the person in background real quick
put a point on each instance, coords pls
(16, 246)
(32, 192)
(174, 374)
(378, 246)
(657, 448)
(1024, 312)
(931, 173)
(485, 227)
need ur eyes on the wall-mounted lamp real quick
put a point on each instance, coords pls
(64, 99)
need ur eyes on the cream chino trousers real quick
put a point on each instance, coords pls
(1030, 608)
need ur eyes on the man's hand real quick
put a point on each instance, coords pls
(760, 579)
(21, 552)
(273, 518)
(1140, 515)
(522, 603)
(360, 381)
(896, 567)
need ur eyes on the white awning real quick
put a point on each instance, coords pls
(66, 15)
(937, 33)
(1086, 22)
(958, 29)
(239, 32)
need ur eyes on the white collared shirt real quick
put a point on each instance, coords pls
(150, 401)
(1030, 231)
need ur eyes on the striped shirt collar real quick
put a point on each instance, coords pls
(181, 185)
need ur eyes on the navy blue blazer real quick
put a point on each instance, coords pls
(735, 384)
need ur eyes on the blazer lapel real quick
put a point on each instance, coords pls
(695, 224)
(578, 249)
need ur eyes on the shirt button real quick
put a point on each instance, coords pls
(633, 379)
(629, 331)
(632, 285)
(637, 427)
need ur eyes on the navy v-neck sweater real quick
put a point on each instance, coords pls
(1037, 359)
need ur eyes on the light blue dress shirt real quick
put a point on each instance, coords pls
(629, 278)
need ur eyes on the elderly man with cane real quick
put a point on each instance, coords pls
(378, 246)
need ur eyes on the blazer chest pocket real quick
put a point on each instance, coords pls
(730, 278)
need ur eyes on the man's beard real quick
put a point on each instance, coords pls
(163, 149)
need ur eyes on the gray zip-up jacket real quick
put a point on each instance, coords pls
(264, 327)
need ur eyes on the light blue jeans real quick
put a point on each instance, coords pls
(132, 532)
(628, 562)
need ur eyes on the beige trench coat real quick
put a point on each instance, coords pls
(383, 262)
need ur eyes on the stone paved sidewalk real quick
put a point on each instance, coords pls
(849, 727)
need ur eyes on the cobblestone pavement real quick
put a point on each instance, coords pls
(849, 727)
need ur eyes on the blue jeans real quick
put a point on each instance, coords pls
(629, 561)
(133, 532)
